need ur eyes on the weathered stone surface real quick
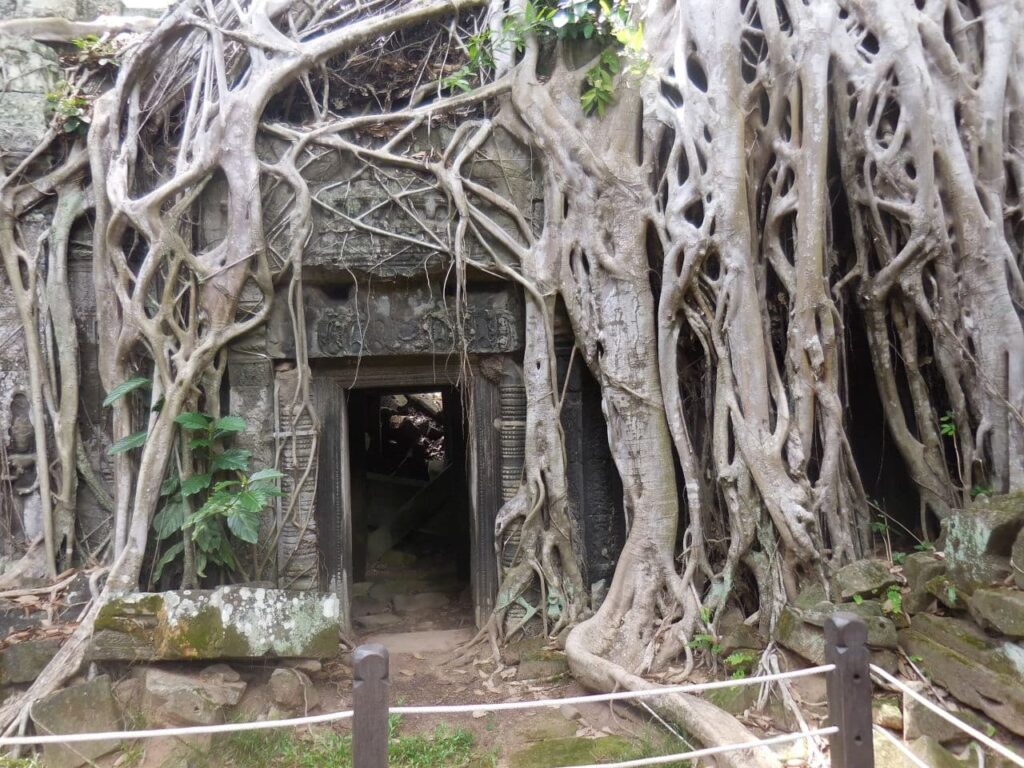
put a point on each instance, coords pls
(741, 636)
(980, 538)
(1017, 560)
(864, 578)
(982, 672)
(292, 690)
(920, 721)
(800, 637)
(171, 698)
(225, 623)
(30, 71)
(536, 661)
(22, 662)
(999, 608)
(946, 592)
(886, 712)
(881, 630)
(735, 700)
(83, 708)
(918, 569)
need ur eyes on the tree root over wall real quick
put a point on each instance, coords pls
(692, 231)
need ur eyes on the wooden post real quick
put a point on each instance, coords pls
(370, 688)
(849, 692)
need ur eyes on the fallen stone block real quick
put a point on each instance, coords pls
(174, 698)
(919, 720)
(22, 662)
(982, 672)
(83, 708)
(292, 690)
(1000, 609)
(226, 623)
(863, 578)
(980, 538)
(918, 569)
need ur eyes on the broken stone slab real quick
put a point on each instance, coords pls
(537, 661)
(174, 698)
(982, 672)
(920, 721)
(1000, 609)
(808, 640)
(234, 622)
(946, 592)
(863, 578)
(22, 662)
(84, 708)
(881, 629)
(292, 690)
(886, 712)
(979, 540)
(740, 637)
(918, 569)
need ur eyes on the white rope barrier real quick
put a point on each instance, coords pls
(191, 730)
(903, 748)
(454, 709)
(992, 744)
(662, 759)
(200, 730)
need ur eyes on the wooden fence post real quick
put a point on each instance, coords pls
(370, 689)
(849, 691)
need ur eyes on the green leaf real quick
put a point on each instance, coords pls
(228, 424)
(253, 500)
(192, 420)
(200, 442)
(193, 485)
(170, 519)
(200, 563)
(245, 524)
(168, 558)
(128, 443)
(265, 474)
(124, 388)
(232, 458)
(170, 485)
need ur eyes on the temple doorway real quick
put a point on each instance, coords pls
(410, 510)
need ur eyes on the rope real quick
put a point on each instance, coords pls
(452, 709)
(995, 746)
(901, 747)
(784, 738)
(197, 730)
(192, 730)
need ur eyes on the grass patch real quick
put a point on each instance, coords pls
(444, 748)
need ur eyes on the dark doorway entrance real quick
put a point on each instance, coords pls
(409, 509)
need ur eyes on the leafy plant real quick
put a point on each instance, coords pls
(233, 497)
(899, 558)
(705, 642)
(741, 662)
(95, 50)
(951, 594)
(980, 490)
(925, 546)
(947, 425)
(68, 109)
(893, 600)
(600, 84)
(858, 599)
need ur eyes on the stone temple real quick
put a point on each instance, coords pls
(396, 367)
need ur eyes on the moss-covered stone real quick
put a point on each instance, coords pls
(572, 751)
(735, 699)
(863, 578)
(22, 662)
(1000, 609)
(225, 623)
(979, 540)
(980, 671)
(918, 569)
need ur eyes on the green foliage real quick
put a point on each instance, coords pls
(858, 599)
(947, 425)
(899, 558)
(232, 498)
(445, 747)
(607, 23)
(68, 109)
(96, 51)
(124, 388)
(951, 594)
(128, 443)
(925, 546)
(893, 600)
(980, 490)
(741, 662)
(704, 642)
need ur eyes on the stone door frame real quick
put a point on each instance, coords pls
(333, 380)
